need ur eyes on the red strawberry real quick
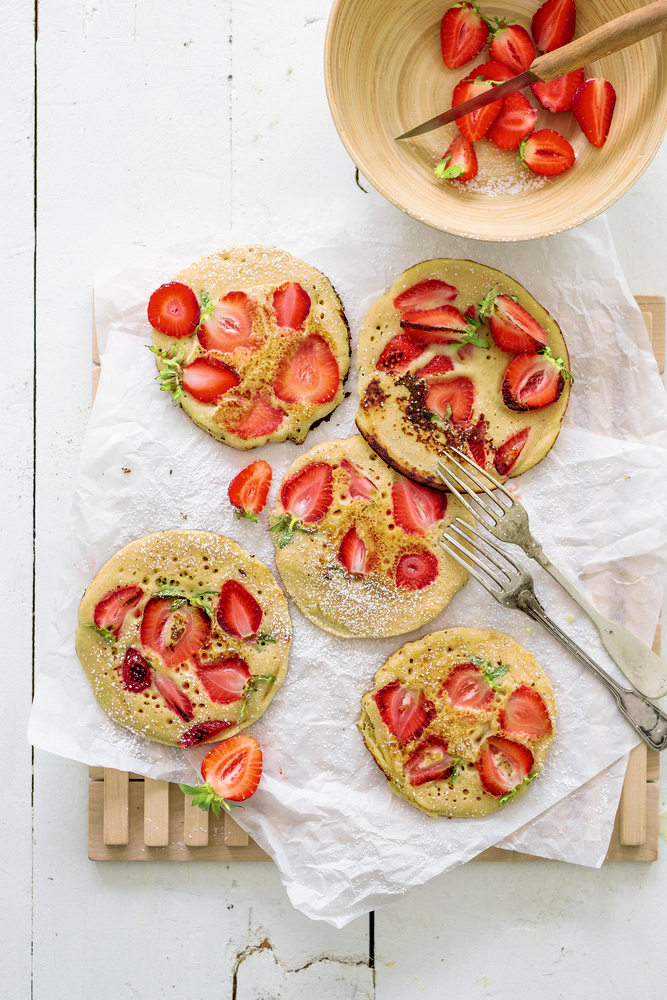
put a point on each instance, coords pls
(476, 439)
(463, 33)
(353, 554)
(476, 124)
(406, 712)
(508, 452)
(503, 764)
(258, 418)
(515, 122)
(399, 353)
(556, 95)
(175, 635)
(416, 570)
(512, 46)
(309, 375)
(229, 327)
(553, 24)
(514, 329)
(546, 152)
(531, 382)
(203, 732)
(224, 679)
(439, 365)
(459, 162)
(451, 397)
(208, 379)
(234, 768)
(447, 319)
(526, 714)
(238, 612)
(173, 309)
(429, 761)
(466, 687)
(593, 105)
(465, 352)
(176, 699)
(428, 294)
(291, 304)
(135, 672)
(490, 71)
(249, 489)
(308, 493)
(360, 486)
(110, 612)
(416, 508)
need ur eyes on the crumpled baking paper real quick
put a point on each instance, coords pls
(343, 842)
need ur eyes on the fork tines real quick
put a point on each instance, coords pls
(464, 555)
(457, 484)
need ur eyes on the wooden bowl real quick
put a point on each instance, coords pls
(384, 74)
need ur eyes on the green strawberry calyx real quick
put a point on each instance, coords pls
(204, 797)
(170, 375)
(286, 526)
(515, 791)
(546, 353)
(104, 633)
(458, 763)
(198, 600)
(448, 172)
(207, 308)
(492, 671)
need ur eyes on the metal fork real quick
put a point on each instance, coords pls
(512, 586)
(640, 664)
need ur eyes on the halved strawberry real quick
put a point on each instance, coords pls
(405, 711)
(556, 95)
(476, 124)
(447, 320)
(399, 353)
(531, 382)
(233, 769)
(507, 453)
(229, 327)
(553, 24)
(459, 162)
(489, 71)
(515, 122)
(109, 613)
(258, 418)
(416, 508)
(225, 679)
(526, 714)
(208, 379)
(416, 570)
(463, 33)
(514, 329)
(451, 398)
(203, 732)
(308, 493)
(249, 489)
(439, 365)
(476, 439)
(512, 46)
(176, 699)
(238, 613)
(359, 486)
(353, 553)
(174, 634)
(135, 673)
(546, 153)
(428, 294)
(466, 687)
(291, 304)
(309, 375)
(173, 310)
(593, 105)
(429, 761)
(503, 764)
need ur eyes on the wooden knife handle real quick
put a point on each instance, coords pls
(617, 34)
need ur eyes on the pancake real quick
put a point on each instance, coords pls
(357, 545)
(287, 376)
(411, 367)
(471, 718)
(184, 637)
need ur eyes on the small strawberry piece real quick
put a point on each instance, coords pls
(405, 711)
(176, 699)
(310, 374)
(445, 320)
(451, 397)
(416, 508)
(490, 71)
(546, 153)
(224, 679)
(515, 122)
(110, 612)
(463, 34)
(234, 768)
(465, 352)
(203, 732)
(502, 765)
(249, 489)
(360, 486)
(593, 105)
(459, 162)
(439, 365)
(553, 24)
(353, 554)
(135, 672)
(208, 379)
(308, 493)
(229, 327)
(556, 95)
(175, 635)
(507, 453)
(466, 687)
(477, 442)
(428, 294)
(173, 310)
(531, 382)
(514, 329)
(475, 125)
(526, 714)
(429, 761)
(416, 570)
(238, 612)
(399, 353)
(512, 46)
(291, 304)
(258, 419)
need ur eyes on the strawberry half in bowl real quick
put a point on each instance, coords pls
(385, 73)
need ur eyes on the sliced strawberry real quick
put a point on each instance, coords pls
(428, 294)
(447, 320)
(416, 570)
(360, 486)
(203, 732)
(174, 634)
(238, 613)
(234, 768)
(463, 33)
(526, 714)
(553, 24)
(310, 374)
(249, 489)
(416, 508)
(439, 365)
(452, 397)
(173, 310)
(110, 612)
(353, 553)
(291, 304)
(476, 124)
(459, 162)
(514, 329)
(224, 679)
(477, 442)
(515, 122)
(176, 699)
(429, 761)
(546, 153)
(531, 382)
(465, 352)
(208, 379)
(490, 71)
(229, 327)
(135, 673)
(466, 687)
(503, 764)
(399, 353)
(258, 418)
(508, 452)
(593, 105)
(308, 493)
(556, 95)
(512, 46)
(405, 711)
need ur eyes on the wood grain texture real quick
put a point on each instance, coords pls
(116, 804)
(632, 807)
(654, 306)
(156, 813)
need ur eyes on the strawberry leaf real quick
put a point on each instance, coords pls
(245, 513)
(204, 797)
(104, 634)
(546, 353)
(458, 764)
(492, 672)
(198, 600)
(286, 526)
(207, 308)
(170, 376)
(526, 781)
(448, 172)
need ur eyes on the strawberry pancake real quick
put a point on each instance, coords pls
(357, 544)
(184, 637)
(459, 354)
(253, 343)
(460, 721)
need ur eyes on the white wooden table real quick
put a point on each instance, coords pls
(152, 123)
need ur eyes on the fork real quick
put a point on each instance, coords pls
(515, 589)
(646, 671)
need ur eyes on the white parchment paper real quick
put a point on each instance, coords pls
(343, 842)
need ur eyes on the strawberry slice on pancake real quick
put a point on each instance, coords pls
(258, 418)
(208, 379)
(135, 673)
(353, 553)
(291, 304)
(507, 454)
(204, 732)
(405, 711)
(224, 679)
(514, 329)
(360, 485)
(176, 699)
(503, 764)
(526, 714)
(399, 354)
(238, 613)
(429, 761)
(110, 612)
(308, 494)
(174, 629)
(451, 398)
(531, 382)
(309, 375)
(229, 329)
(416, 508)
(173, 309)
(416, 570)
(467, 687)
(428, 294)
